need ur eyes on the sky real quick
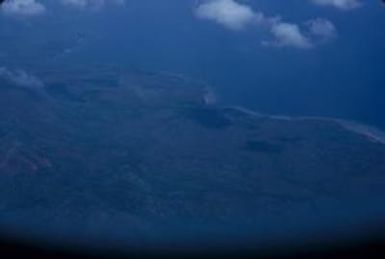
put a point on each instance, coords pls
(293, 57)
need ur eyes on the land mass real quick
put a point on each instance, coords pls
(134, 158)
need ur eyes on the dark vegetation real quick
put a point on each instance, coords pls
(207, 117)
(146, 161)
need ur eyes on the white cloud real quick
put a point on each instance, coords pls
(322, 28)
(29, 8)
(287, 34)
(23, 8)
(340, 4)
(228, 13)
(20, 78)
(312, 32)
(237, 16)
(86, 4)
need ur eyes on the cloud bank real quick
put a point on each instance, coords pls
(231, 14)
(23, 8)
(20, 78)
(29, 8)
(340, 4)
(87, 4)
(236, 16)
